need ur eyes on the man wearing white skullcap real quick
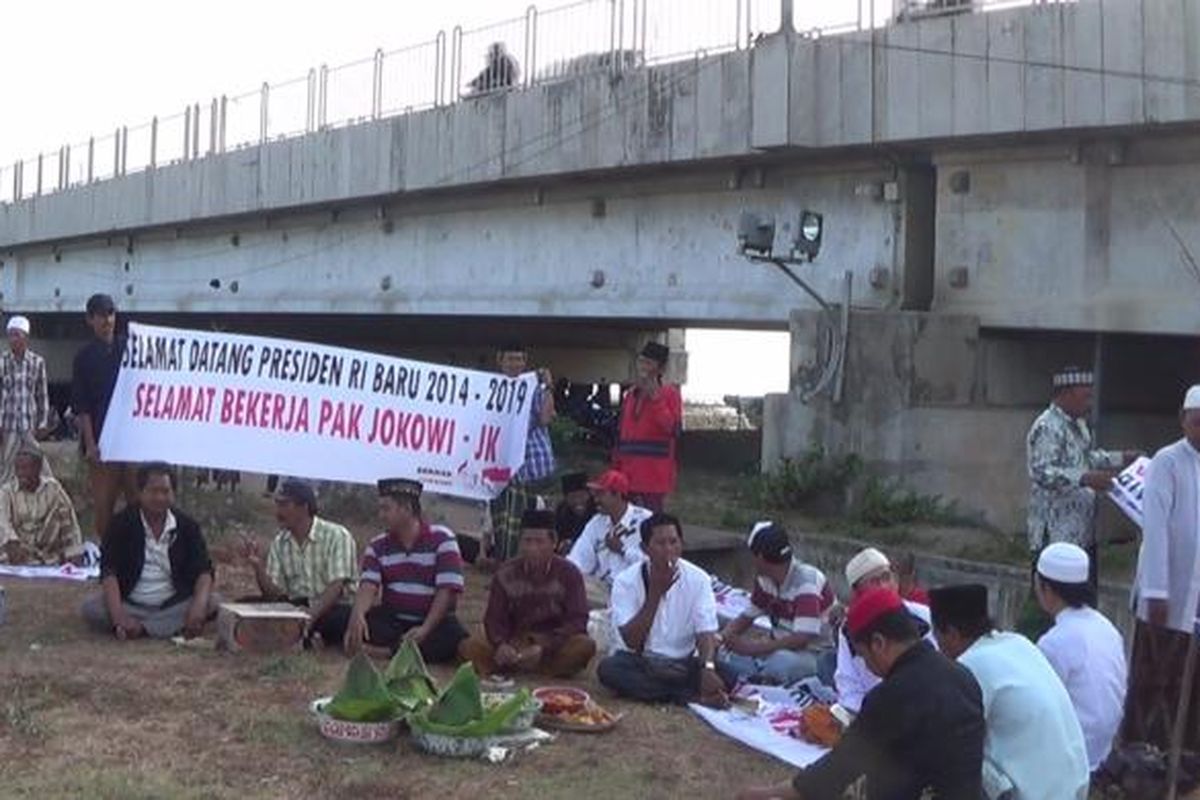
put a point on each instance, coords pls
(24, 399)
(1066, 470)
(1083, 647)
(1167, 588)
(852, 678)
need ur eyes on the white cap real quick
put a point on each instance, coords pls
(758, 526)
(1191, 400)
(18, 323)
(1064, 562)
(864, 564)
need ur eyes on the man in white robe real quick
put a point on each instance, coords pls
(1167, 589)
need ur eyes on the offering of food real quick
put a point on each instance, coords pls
(818, 725)
(460, 710)
(591, 715)
(560, 700)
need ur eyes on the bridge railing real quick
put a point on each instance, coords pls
(544, 45)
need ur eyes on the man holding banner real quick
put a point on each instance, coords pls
(93, 379)
(507, 509)
(1167, 590)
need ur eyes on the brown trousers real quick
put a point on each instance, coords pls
(571, 657)
(109, 480)
(1155, 682)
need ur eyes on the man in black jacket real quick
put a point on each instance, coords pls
(921, 729)
(155, 575)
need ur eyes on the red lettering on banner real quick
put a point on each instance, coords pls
(417, 432)
(486, 450)
(173, 403)
(252, 409)
(340, 420)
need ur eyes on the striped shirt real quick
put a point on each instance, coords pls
(305, 571)
(410, 578)
(797, 605)
(24, 401)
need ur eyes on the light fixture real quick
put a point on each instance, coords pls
(808, 236)
(756, 234)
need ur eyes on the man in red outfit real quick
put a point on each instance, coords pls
(651, 419)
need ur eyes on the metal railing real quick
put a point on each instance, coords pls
(542, 46)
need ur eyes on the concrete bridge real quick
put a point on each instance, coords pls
(1009, 189)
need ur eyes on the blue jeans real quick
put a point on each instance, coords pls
(781, 667)
(651, 680)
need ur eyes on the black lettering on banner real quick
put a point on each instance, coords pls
(447, 388)
(506, 395)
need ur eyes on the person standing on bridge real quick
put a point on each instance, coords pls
(24, 398)
(93, 379)
(531, 479)
(651, 420)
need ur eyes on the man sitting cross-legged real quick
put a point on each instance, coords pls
(311, 563)
(537, 611)
(417, 571)
(37, 521)
(155, 575)
(666, 619)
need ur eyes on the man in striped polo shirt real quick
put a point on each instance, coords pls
(419, 571)
(794, 597)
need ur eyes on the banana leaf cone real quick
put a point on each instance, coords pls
(459, 710)
(363, 696)
(408, 680)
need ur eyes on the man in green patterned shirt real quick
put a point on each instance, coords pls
(311, 562)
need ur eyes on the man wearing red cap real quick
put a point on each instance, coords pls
(921, 729)
(651, 419)
(610, 542)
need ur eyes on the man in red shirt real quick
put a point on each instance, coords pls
(651, 419)
(416, 571)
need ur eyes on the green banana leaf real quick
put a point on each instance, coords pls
(461, 701)
(363, 696)
(490, 724)
(408, 680)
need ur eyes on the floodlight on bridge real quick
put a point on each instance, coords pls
(808, 236)
(756, 234)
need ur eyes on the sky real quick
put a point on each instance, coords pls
(80, 68)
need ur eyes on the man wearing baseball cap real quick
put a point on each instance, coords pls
(25, 401)
(922, 728)
(610, 542)
(312, 562)
(794, 596)
(1083, 647)
(853, 678)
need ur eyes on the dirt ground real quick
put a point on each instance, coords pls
(85, 715)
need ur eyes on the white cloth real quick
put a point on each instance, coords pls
(1088, 654)
(591, 554)
(154, 587)
(1033, 737)
(853, 678)
(687, 610)
(1169, 560)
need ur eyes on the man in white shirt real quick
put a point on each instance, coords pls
(852, 678)
(665, 617)
(1083, 647)
(610, 543)
(1167, 589)
(1033, 748)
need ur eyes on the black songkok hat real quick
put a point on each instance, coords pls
(399, 487)
(958, 606)
(656, 352)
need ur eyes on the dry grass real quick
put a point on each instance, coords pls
(83, 715)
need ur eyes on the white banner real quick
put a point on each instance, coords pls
(281, 407)
(1127, 489)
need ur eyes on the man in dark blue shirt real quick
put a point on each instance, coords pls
(93, 378)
